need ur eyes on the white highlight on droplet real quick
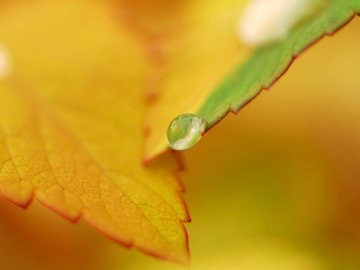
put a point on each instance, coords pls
(5, 62)
(266, 21)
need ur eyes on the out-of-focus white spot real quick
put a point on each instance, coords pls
(5, 62)
(266, 21)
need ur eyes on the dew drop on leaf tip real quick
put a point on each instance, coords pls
(185, 131)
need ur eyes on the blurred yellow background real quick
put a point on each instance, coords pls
(275, 187)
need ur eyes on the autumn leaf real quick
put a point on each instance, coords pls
(71, 134)
(285, 196)
(74, 77)
(209, 95)
(192, 61)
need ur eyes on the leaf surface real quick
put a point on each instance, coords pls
(213, 98)
(190, 51)
(71, 135)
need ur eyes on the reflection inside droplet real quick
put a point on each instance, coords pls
(185, 131)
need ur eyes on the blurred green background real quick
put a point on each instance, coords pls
(275, 187)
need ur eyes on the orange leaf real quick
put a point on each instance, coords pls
(191, 46)
(71, 114)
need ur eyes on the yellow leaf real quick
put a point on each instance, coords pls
(71, 134)
(192, 45)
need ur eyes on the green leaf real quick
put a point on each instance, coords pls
(269, 63)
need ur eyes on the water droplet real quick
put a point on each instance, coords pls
(185, 131)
